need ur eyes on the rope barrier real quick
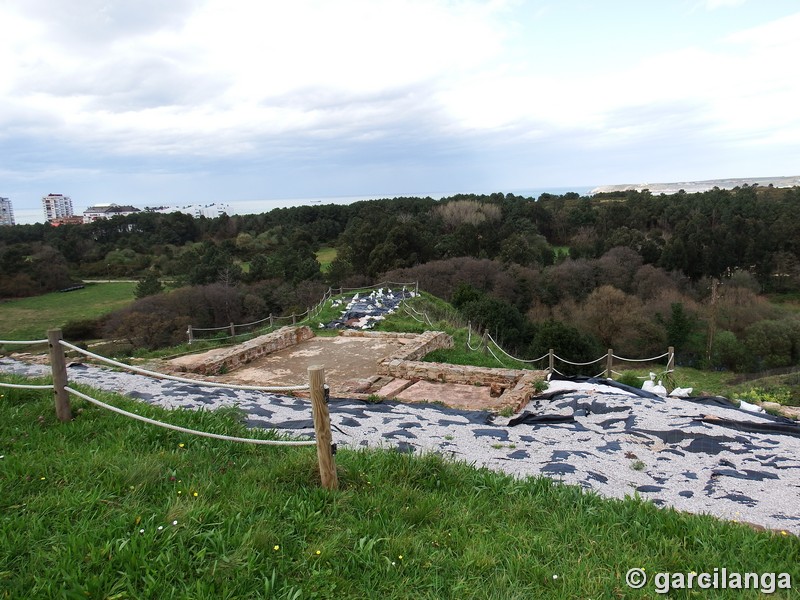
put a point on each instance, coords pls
(18, 386)
(203, 383)
(578, 364)
(640, 359)
(411, 315)
(253, 323)
(23, 342)
(489, 348)
(376, 286)
(215, 436)
(228, 327)
(514, 357)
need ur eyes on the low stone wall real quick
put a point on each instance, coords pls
(391, 335)
(521, 393)
(253, 349)
(446, 373)
(516, 386)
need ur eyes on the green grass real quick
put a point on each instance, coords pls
(30, 318)
(325, 256)
(105, 507)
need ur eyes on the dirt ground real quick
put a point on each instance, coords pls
(351, 371)
(347, 360)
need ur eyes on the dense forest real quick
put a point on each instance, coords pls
(632, 270)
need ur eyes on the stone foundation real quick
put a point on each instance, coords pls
(244, 353)
(515, 387)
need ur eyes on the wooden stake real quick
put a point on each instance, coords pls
(58, 363)
(609, 363)
(322, 428)
(552, 356)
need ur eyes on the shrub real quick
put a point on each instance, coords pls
(86, 329)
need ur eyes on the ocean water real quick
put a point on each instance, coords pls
(249, 207)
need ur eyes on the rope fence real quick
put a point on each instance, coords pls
(316, 386)
(553, 357)
(294, 318)
(206, 434)
(24, 386)
(157, 375)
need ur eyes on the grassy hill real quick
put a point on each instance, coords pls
(106, 507)
(30, 318)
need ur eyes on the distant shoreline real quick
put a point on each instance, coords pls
(699, 186)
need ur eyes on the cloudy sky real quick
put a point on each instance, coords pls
(151, 102)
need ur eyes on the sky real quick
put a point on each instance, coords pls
(150, 103)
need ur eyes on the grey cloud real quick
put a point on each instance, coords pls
(128, 83)
(86, 23)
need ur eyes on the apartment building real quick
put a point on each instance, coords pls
(6, 212)
(57, 207)
(106, 211)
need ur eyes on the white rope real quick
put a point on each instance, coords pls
(203, 383)
(376, 286)
(514, 357)
(23, 342)
(228, 327)
(253, 323)
(18, 386)
(411, 315)
(489, 348)
(423, 314)
(600, 374)
(559, 372)
(578, 364)
(640, 359)
(215, 436)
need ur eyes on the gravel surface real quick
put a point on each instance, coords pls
(695, 457)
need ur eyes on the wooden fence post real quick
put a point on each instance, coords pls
(58, 363)
(191, 334)
(322, 428)
(609, 363)
(552, 366)
(294, 319)
(233, 330)
(671, 359)
(270, 319)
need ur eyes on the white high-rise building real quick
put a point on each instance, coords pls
(56, 206)
(6, 212)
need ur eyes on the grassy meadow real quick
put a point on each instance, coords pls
(325, 256)
(107, 507)
(30, 318)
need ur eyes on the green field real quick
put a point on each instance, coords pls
(107, 507)
(325, 256)
(30, 318)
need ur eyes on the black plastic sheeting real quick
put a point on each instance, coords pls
(369, 308)
(775, 424)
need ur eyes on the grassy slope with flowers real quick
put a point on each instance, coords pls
(106, 507)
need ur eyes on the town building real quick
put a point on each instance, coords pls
(6, 212)
(210, 211)
(106, 211)
(57, 206)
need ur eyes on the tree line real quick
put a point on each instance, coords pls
(631, 270)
